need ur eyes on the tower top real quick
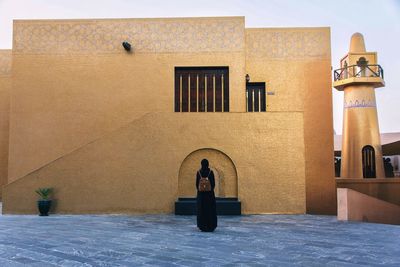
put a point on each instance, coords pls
(357, 44)
(358, 67)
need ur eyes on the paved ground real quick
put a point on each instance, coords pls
(168, 240)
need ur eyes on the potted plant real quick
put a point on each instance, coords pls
(44, 203)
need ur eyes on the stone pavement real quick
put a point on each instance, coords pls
(168, 240)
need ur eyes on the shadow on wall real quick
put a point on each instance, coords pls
(226, 181)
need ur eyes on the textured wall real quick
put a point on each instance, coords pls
(92, 120)
(295, 64)
(371, 57)
(360, 128)
(5, 86)
(355, 206)
(135, 169)
(381, 188)
(172, 35)
(65, 98)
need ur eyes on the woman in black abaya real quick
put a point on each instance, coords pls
(206, 205)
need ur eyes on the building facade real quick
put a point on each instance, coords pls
(116, 131)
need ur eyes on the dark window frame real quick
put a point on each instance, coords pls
(368, 161)
(256, 90)
(190, 94)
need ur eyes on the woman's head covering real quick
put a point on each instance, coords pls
(204, 164)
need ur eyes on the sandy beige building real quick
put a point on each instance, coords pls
(114, 131)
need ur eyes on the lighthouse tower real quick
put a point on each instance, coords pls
(358, 76)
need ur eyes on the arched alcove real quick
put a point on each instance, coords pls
(222, 166)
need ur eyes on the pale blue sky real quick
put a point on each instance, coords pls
(378, 21)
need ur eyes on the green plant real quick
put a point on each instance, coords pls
(44, 193)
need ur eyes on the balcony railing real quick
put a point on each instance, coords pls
(358, 71)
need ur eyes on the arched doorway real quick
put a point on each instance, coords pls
(368, 162)
(362, 64)
(226, 184)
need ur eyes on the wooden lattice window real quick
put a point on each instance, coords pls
(201, 89)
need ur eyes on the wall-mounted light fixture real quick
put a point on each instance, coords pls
(127, 46)
(247, 78)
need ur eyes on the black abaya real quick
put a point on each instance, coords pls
(206, 205)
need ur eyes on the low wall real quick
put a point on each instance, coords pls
(5, 86)
(355, 206)
(135, 169)
(386, 189)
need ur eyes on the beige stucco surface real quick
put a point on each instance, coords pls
(70, 97)
(382, 188)
(97, 123)
(361, 128)
(295, 64)
(355, 206)
(360, 116)
(5, 86)
(135, 169)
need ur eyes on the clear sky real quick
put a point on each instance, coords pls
(378, 21)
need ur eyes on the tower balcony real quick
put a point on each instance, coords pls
(357, 75)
